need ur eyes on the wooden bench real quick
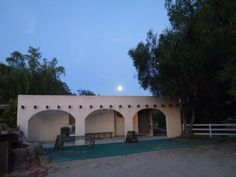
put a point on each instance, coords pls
(99, 135)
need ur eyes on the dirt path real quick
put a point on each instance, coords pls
(218, 160)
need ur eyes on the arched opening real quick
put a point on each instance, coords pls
(104, 123)
(46, 125)
(150, 122)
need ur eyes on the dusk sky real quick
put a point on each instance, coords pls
(90, 38)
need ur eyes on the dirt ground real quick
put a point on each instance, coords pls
(217, 160)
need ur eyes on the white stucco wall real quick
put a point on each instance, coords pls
(119, 126)
(45, 126)
(173, 123)
(135, 122)
(81, 106)
(100, 121)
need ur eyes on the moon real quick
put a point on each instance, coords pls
(120, 88)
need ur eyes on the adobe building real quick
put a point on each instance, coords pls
(40, 117)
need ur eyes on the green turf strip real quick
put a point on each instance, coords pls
(114, 149)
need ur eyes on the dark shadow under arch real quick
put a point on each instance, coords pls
(150, 122)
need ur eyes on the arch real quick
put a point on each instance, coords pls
(79, 108)
(46, 125)
(104, 123)
(150, 122)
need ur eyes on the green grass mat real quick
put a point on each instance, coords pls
(114, 149)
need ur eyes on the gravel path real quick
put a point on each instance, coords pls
(217, 160)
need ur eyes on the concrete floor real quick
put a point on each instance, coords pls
(213, 160)
(217, 160)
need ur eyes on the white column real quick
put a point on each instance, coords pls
(23, 117)
(80, 130)
(173, 123)
(151, 123)
(135, 123)
(128, 124)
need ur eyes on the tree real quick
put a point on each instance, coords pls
(83, 92)
(164, 70)
(9, 115)
(186, 61)
(29, 74)
(229, 74)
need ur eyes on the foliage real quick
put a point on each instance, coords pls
(9, 115)
(192, 60)
(229, 74)
(159, 119)
(29, 74)
(86, 92)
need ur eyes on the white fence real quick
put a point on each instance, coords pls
(214, 129)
